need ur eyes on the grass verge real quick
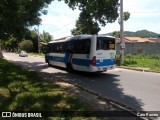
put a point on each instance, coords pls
(152, 62)
(22, 90)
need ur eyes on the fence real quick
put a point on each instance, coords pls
(140, 48)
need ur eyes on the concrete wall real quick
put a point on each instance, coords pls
(140, 48)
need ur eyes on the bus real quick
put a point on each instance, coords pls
(89, 53)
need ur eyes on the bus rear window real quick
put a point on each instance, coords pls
(105, 43)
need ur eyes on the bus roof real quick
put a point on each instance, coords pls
(60, 39)
(67, 38)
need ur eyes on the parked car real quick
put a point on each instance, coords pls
(23, 54)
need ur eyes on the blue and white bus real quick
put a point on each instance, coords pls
(90, 53)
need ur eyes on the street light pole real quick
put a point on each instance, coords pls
(122, 43)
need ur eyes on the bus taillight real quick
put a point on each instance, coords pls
(94, 61)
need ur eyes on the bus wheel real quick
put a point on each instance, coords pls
(49, 64)
(69, 67)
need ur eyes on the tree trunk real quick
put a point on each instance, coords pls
(1, 54)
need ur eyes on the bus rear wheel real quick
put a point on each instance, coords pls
(69, 67)
(49, 65)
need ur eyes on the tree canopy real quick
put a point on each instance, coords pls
(94, 13)
(26, 45)
(103, 11)
(85, 25)
(17, 15)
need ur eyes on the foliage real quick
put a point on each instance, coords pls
(85, 25)
(126, 16)
(116, 34)
(44, 38)
(10, 44)
(26, 45)
(140, 33)
(103, 11)
(17, 15)
(33, 36)
(92, 14)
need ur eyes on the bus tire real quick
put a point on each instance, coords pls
(49, 65)
(69, 67)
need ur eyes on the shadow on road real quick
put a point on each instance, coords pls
(107, 84)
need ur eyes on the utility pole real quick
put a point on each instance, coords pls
(122, 43)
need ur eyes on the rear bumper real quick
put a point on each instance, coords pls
(101, 68)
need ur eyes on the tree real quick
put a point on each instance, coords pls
(17, 15)
(45, 37)
(126, 16)
(85, 25)
(33, 36)
(94, 13)
(116, 34)
(102, 11)
(26, 45)
(10, 44)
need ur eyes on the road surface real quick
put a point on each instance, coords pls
(136, 89)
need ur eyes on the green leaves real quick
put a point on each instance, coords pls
(26, 45)
(93, 13)
(103, 11)
(126, 16)
(17, 15)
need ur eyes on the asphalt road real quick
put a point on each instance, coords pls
(139, 90)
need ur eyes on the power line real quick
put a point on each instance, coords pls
(63, 26)
(147, 12)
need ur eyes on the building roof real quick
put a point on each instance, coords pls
(125, 40)
(157, 40)
(134, 39)
(138, 39)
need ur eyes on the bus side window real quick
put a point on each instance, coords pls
(50, 47)
(69, 47)
(86, 43)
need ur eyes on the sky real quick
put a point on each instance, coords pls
(145, 14)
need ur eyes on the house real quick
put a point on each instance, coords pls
(139, 45)
(134, 40)
(156, 40)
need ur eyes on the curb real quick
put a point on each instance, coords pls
(109, 101)
(138, 69)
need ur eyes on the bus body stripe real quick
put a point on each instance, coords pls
(106, 62)
(82, 62)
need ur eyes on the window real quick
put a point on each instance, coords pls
(82, 46)
(50, 48)
(105, 43)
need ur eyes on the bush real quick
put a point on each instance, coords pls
(26, 45)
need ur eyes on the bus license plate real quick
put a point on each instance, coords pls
(104, 68)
